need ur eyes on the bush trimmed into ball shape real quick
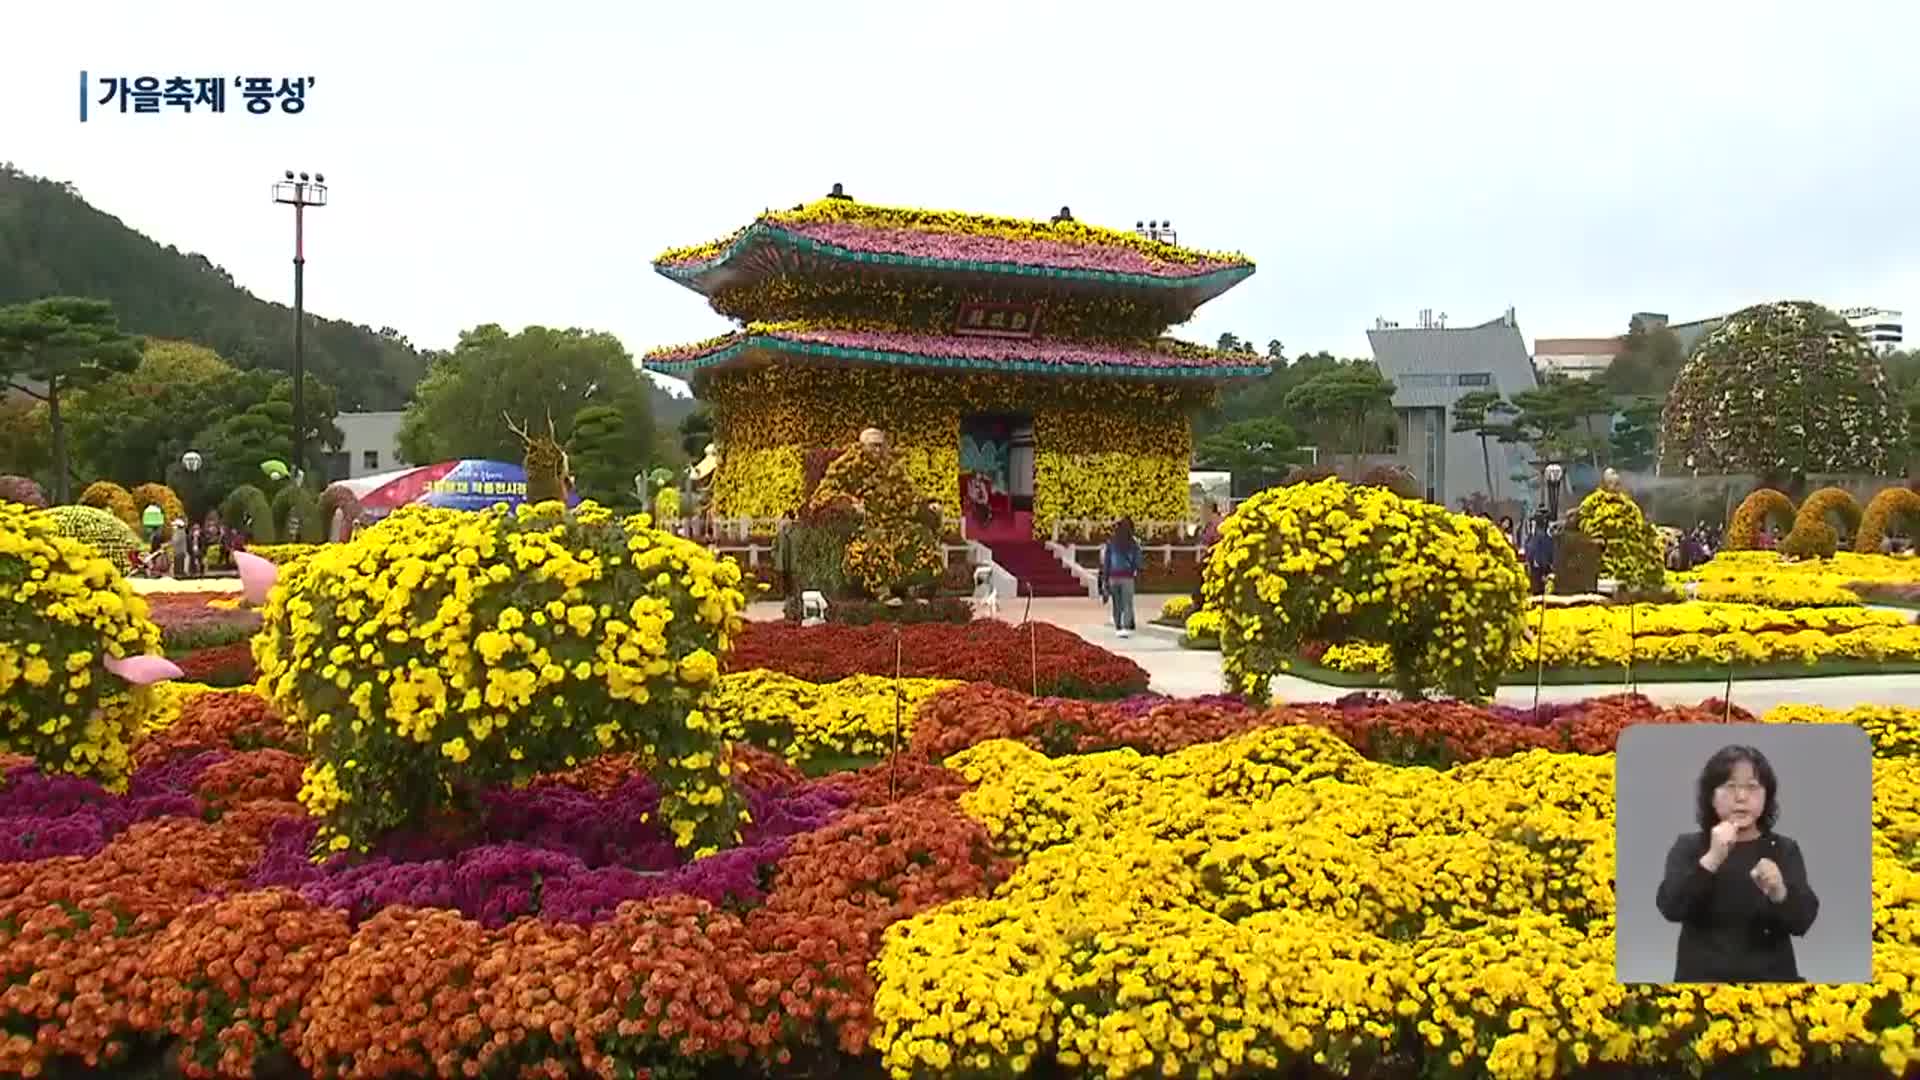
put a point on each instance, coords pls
(114, 499)
(58, 703)
(162, 496)
(1889, 504)
(440, 651)
(1827, 504)
(1766, 504)
(113, 539)
(1810, 539)
(22, 491)
(1778, 389)
(1630, 548)
(1328, 561)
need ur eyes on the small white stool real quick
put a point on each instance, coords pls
(813, 608)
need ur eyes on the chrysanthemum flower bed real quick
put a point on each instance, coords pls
(1224, 850)
(1680, 637)
(1798, 583)
(1057, 661)
(1685, 635)
(206, 636)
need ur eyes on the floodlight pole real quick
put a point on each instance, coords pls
(300, 193)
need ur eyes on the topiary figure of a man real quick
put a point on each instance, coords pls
(891, 550)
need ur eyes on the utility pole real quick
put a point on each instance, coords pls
(300, 193)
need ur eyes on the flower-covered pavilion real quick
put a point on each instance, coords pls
(1019, 367)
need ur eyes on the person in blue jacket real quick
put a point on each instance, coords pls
(1119, 567)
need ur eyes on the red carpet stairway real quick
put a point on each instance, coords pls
(1035, 567)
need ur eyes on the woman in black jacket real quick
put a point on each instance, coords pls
(1738, 889)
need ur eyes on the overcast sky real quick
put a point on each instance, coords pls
(522, 163)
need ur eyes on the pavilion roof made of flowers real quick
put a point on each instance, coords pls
(763, 343)
(840, 235)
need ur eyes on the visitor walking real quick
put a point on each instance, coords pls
(783, 554)
(196, 551)
(1119, 567)
(1540, 553)
(179, 548)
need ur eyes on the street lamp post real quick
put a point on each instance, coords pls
(300, 193)
(1554, 474)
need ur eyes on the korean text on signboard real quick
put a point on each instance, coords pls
(187, 94)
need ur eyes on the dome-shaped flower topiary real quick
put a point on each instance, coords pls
(64, 609)
(99, 529)
(1333, 562)
(1781, 389)
(440, 651)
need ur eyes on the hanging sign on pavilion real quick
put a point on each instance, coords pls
(999, 320)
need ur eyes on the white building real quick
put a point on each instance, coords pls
(372, 445)
(1576, 358)
(1879, 326)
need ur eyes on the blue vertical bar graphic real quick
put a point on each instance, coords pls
(83, 97)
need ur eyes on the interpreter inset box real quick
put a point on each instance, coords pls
(1743, 853)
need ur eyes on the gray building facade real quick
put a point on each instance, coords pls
(1433, 366)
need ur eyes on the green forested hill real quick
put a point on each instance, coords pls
(53, 244)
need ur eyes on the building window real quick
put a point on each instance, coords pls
(369, 459)
(1478, 378)
(336, 466)
(1435, 419)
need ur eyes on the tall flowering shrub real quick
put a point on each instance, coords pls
(1332, 562)
(65, 609)
(1781, 388)
(440, 650)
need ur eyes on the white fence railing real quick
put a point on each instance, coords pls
(1094, 531)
